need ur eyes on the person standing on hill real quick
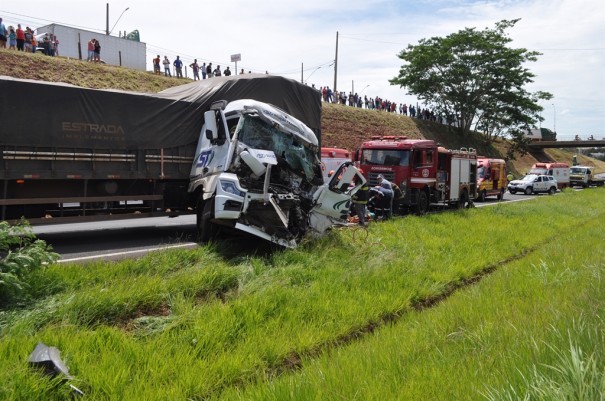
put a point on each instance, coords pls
(203, 68)
(178, 65)
(91, 49)
(97, 51)
(196, 70)
(209, 71)
(3, 35)
(20, 38)
(166, 63)
(156, 65)
(217, 71)
(12, 38)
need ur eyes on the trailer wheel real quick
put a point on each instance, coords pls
(529, 190)
(422, 202)
(501, 194)
(206, 230)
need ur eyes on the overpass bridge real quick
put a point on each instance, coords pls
(569, 142)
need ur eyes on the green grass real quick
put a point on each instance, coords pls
(391, 316)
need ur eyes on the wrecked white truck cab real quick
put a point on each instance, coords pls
(260, 173)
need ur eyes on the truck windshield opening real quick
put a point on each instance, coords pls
(258, 134)
(385, 157)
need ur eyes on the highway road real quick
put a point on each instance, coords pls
(114, 240)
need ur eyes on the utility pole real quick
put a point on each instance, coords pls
(336, 63)
(107, 21)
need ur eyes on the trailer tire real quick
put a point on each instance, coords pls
(206, 230)
(422, 203)
(529, 190)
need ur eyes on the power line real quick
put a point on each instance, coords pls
(33, 19)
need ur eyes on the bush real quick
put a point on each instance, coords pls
(21, 253)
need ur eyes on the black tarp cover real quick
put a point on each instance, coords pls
(58, 115)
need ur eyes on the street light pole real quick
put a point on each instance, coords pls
(118, 20)
(555, 118)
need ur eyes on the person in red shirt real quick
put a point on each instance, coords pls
(91, 49)
(20, 38)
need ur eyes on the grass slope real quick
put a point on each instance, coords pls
(204, 325)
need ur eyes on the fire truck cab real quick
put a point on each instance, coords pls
(414, 166)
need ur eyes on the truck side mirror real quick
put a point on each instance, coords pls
(211, 127)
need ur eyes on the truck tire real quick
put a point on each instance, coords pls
(552, 190)
(482, 196)
(529, 190)
(512, 191)
(206, 230)
(422, 203)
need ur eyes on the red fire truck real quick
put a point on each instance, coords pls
(425, 173)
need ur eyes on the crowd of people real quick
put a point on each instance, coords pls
(26, 41)
(206, 70)
(377, 103)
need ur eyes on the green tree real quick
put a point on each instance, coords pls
(475, 81)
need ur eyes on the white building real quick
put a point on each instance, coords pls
(73, 43)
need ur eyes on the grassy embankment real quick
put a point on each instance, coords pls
(440, 307)
(344, 127)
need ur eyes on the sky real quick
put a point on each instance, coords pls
(299, 40)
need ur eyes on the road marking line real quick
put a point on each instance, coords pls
(107, 255)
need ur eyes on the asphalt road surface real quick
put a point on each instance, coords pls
(114, 240)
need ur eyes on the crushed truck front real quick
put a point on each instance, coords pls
(257, 170)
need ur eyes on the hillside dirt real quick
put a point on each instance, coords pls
(342, 126)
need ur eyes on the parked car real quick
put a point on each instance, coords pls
(534, 183)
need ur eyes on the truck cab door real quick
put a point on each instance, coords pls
(214, 146)
(334, 198)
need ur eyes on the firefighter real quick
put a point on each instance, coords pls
(386, 192)
(360, 200)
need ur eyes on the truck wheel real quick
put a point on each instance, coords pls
(512, 191)
(552, 190)
(422, 203)
(206, 230)
(482, 196)
(529, 190)
(501, 195)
